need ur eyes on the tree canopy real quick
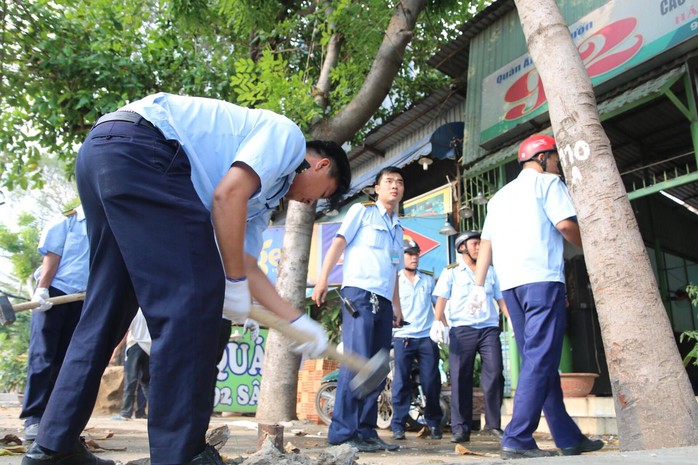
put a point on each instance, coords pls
(65, 62)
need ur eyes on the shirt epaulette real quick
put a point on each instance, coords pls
(368, 203)
(452, 265)
(70, 212)
(430, 273)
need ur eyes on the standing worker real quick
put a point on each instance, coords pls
(64, 270)
(177, 191)
(371, 239)
(523, 237)
(136, 368)
(411, 342)
(470, 333)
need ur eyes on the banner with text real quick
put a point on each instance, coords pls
(612, 39)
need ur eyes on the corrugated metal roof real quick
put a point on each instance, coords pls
(408, 122)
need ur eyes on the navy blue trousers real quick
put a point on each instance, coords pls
(151, 244)
(364, 335)
(426, 352)
(538, 315)
(136, 379)
(48, 342)
(465, 343)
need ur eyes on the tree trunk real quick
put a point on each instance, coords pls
(277, 397)
(654, 402)
(280, 371)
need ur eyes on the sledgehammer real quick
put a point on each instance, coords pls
(7, 313)
(369, 373)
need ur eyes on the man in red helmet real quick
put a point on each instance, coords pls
(523, 238)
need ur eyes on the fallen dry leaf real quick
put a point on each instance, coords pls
(462, 450)
(424, 432)
(94, 446)
(10, 439)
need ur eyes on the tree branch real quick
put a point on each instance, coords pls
(379, 79)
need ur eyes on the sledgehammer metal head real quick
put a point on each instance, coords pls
(371, 375)
(7, 313)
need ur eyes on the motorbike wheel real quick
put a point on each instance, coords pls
(385, 407)
(324, 401)
(415, 419)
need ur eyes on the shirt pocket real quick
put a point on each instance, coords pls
(376, 236)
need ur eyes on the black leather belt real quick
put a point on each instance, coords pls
(127, 116)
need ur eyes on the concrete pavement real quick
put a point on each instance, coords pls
(128, 441)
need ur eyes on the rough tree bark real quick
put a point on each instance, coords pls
(653, 398)
(280, 380)
(277, 397)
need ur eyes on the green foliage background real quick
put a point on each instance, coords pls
(66, 62)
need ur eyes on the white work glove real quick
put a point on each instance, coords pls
(237, 302)
(40, 296)
(438, 333)
(253, 327)
(317, 346)
(475, 301)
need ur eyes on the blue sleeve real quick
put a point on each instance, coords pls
(274, 148)
(352, 222)
(557, 202)
(53, 237)
(254, 233)
(444, 284)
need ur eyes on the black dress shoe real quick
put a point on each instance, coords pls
(587, 445)
(460, 437)
(496, 432)
(37, 455)
(399, 435)
(382, 444)
(508, 453)
(436, 432)
(361, 445)
(209, 456)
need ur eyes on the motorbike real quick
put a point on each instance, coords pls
(325, 398)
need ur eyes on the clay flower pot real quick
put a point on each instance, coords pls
(577, 384)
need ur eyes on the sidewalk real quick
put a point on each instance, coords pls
(128, 442)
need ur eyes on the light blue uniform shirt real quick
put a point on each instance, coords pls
(373, 255)
(215, 134)
(415, 300)
(520, 224)
(67, 237)
(455, 284)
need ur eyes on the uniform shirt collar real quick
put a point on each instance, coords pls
(381, 209)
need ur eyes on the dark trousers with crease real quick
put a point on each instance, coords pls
(48, 342)
(465, 343)
(365, 335)
(151, 244)
(538, 315)
(136, 380)
(426, 353)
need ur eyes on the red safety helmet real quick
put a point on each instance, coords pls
(535, 144)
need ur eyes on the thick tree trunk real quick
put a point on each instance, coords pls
(654, 401)
(279, 385)
(280, 371)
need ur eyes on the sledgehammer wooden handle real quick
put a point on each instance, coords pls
(61, 299)
(266, 318)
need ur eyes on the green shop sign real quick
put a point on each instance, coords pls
(240, 373)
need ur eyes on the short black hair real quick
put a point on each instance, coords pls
(340, 170)
(388, 170)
